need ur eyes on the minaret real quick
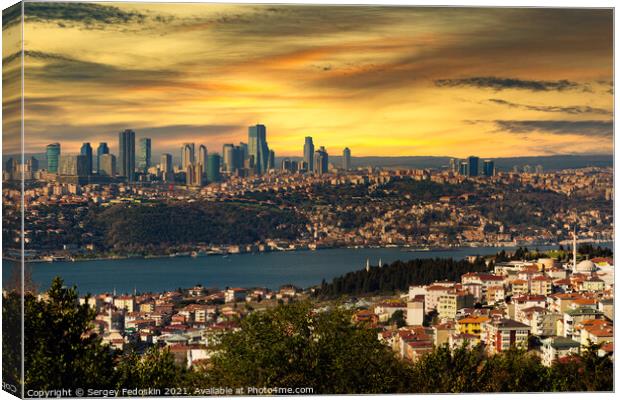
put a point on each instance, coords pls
(574, 249)
(367, 265)
(380, 263)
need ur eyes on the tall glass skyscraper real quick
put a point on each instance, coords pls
(213, 167)
(346, 159)
(321, 161)
(188, 156)
(488, 168)
(258, 148)
(144, 154)
(101, 150)
(473, 165)
(127, 154)
(202, 158)
(87, 151)
(52, 153)
(309, 153)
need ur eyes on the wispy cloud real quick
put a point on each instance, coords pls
(558, 127)
(554, 109)
(88, 15)
(497, 83)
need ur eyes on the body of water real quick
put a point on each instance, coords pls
(301, 268)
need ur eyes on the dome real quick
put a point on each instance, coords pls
(586, 266)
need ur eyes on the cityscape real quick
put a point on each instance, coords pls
(235, 199)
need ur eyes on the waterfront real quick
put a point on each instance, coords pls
(301, 268)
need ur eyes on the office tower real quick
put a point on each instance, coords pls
(271, 160)
(193, 175)
(244, 152)
(213, 167)
(87, 151)
(463, 168)
(101, 150)
(473, 166)
(187, 154)
(228, 157)
(257, 147)
(166, 167)
(202, 158)
(107, 165)
(73, 165)
(8, 164)
(127, 154)
(144, 154)
(488, 168)
(346, 159)
(321, 161)
(309, 153)
(33, 164)
(454, 165)
(52, 153)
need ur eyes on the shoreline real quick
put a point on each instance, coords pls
(408, 249)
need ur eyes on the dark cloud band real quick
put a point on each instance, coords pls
(492, 82)
(558, 127)
(554, 109)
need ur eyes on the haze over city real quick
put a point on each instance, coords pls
(387, 81)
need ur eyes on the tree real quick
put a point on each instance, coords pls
(156, 369)
(293, 346)
(60, 352)
(398, 318)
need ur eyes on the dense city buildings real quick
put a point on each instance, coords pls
(127, 154)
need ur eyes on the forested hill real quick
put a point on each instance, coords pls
(399, 276)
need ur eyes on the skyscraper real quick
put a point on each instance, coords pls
(52, 152)
(473, 163)
(488, 168)
(193, 175)
(202, 158)
(187, 154)
(166, 167)
(309, 153)
(346, 159)
(258, 148)
(87, 151)
(244, 152)
(321, 161)
(144, 154)
(73, 165)
(101, 150)
(107, 165)
(463, 168)
(271, 160)
(228, 157)
(127, 154)
(213, 167)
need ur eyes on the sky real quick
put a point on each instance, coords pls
(383, 81)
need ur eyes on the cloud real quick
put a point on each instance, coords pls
(498, 83)
(85, 14)
(556, 109)
(57, 67)
(558, 127)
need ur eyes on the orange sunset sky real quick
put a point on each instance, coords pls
(385, 81)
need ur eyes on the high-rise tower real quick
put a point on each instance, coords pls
(309, 153)
(127, 154)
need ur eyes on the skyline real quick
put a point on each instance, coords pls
(383, 81)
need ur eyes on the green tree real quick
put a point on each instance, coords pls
(292, 346)
(398, 318)
(60, 350)
(155, 369)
